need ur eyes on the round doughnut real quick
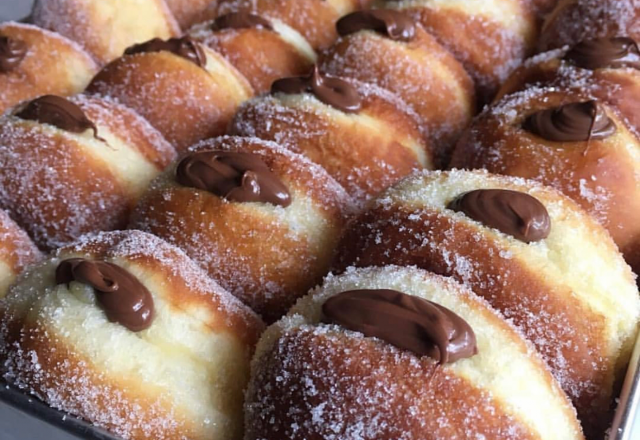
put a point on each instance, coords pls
(314, 19)
(489, 37)
(573, 21)
(578, 145)
(125, 331)
(364, 136)
(17, 251)
(360, 359)
(106, 27)
(187, 91)
(263, 50)
(73, 166)
(262, 221)
(386, 48)
(35, 62)
(532, 253)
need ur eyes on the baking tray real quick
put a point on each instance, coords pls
(24, 417)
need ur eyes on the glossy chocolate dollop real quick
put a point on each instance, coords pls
(332, 91)
(600, 53)
(240, 20)
(405, 321)
(59, 112)
(184, 47)
(237, 177)
(515, 213)
(393, 24)
(576, 122)
(12, 52)
(124, 299)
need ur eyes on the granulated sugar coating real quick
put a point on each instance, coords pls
(181, 378)
(557, 290)
(312, 380)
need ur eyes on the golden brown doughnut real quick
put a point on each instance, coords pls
(365, 148)
(263, 50)
(602, 174)
(36, 62)
(532, 253)
(386, 48)
(266, 251)
(69, 167)
(187, 91)
(188, 12)
(173, 369)
(314, 19)
(106, 27)
(315, 380)
(489, 37)
(573, 21)
(17, 251)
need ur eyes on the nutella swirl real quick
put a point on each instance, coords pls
(603, 53)
(332, 91)
(184, 47)
(393, 24)
(240, 20)
(124, 299)
(59, 112)
(514, 213)
(237, 177)
(405, 321)
(576, 122)
(12, 52)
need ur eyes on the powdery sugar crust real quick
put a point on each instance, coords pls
(21, 251)
(340, 385)
(69, 381)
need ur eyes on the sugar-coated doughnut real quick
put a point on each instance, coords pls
(125, 331)
(187, 91)
(34, 62)
(261, 220)
(528, 250)
(106, 27)
(73, 166)
(17, 251)
(319, 374)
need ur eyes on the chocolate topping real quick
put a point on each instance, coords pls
(12, 52)
(514, 213)
(184, 47)
(605, 53)
(122, 296)
(328, 89)
(405, 321)
(237, 177)
(393, 24)
(60, 112)
(240, 20)
(576, 122)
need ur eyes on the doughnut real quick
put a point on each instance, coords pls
(362, 358)
(36, 62)
(125, 331)
(386, 48)
(106, 27)
(262, 50)
(261, 220)
(189, 12)
(364, 136)
(17, 251)
(187, 91)
(532, 253)
(73, 166)
(608, 68)
(489, 37)
(573, 21)
(314, 19)
(565, 139)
